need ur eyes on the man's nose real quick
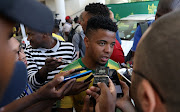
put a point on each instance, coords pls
(107, 49)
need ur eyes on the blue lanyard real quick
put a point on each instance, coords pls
(29, 89)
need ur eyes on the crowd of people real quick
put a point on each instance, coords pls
(32, 77)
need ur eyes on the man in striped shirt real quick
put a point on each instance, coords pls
(44, 57)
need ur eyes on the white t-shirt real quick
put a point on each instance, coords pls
(79, 28)
(66, 28)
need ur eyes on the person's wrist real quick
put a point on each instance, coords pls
(41, 75)
(37, 96)
(125, 105)
(44, 70)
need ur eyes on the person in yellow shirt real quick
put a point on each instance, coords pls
(99, 41)
(56, 33)
(58, 37)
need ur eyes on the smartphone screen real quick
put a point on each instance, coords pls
(125, 74)
(114, 77)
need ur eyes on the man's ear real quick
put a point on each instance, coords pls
(86, 42)
(148, 97)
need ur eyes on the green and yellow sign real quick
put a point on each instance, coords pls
(125, 9)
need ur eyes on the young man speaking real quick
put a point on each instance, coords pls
(99, 42)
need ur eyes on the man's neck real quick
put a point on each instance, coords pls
(52, 42)
(89, 63)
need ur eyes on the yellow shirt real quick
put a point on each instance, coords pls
(77, 101)
(58, 37)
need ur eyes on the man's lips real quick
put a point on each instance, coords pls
(105, 58)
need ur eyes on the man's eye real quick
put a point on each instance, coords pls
(102, 44)
(112, 45)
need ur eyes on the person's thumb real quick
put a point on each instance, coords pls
(86, 104)
(55, 81)
(102, 86)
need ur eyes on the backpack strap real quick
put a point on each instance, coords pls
(76, 27)
(144, 26)
(80, 43)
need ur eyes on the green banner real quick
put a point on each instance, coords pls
(125, 9)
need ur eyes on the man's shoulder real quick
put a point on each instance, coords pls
(76, 24)
(28, 48)
(150, 22)
(63, 43)
(113, 65)
(76, 36)
(75, 64)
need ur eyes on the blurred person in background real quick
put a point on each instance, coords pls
(67, 27)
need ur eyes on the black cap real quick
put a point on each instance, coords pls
(31, 13)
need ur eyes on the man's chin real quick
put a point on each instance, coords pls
(102, 63)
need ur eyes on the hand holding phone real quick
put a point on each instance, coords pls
(74, 75)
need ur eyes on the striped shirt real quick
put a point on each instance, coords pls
(36, 60)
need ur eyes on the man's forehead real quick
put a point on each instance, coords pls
(14, 44)
(102, 33)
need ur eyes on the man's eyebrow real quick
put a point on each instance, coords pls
(113, 42)
(102, 40)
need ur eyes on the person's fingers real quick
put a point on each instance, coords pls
(94, 89)
(102, 86)
(93, 94)
(55, 82)
(54, 58)
(48, 60)
(85, 83)
(68, 72)
(53, 63)
(112, 88)
(68, 88)
(65, 73)
(86, 104)
(59, 59)
(125, 88)
(59, 75)
(67, 85)
(83, 88)
(81, 84)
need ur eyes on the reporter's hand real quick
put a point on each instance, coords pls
(51, 64)
(87, 107)
(105, 102)
(124, 103)
(52, 91)
(79, 87)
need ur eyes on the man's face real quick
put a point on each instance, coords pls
(17, 50)
(35, 39)
(84, 19)
(134, 90)
(7, 58)
(100, 45)
(70, 21)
